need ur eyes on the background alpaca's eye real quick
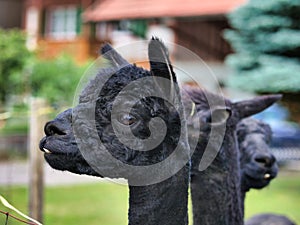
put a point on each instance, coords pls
(126, 119)
(219, 116)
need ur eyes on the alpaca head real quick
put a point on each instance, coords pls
(219, 117)
(127, 119)
(258, 164)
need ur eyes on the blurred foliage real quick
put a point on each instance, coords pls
(15, 126)
(23, 74)
(265, 38)
(55, 80)
(13, 58)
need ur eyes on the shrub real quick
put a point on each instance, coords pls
(56, 80)
(13, 58)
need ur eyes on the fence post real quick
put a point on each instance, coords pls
(38, 118)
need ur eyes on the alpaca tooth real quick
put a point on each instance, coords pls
(267, 176)
(47, 151)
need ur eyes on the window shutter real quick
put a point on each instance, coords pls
(78, 20)
(43, 23)
(138, 27)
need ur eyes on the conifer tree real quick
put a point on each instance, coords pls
(265, 37)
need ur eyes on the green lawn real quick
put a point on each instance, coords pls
(106, 203)
(93, 204)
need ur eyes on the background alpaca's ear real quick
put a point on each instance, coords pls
(250, 107)
(160, 65)
(109, 53)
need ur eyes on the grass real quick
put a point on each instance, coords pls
(93, 204)
(107, 203)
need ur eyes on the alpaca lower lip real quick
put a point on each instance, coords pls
(265, 177)
(47, 151)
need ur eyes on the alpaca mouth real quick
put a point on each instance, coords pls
(63, 157)
(259, 174)
(47, 151)
(257, 182)
(51, 147)
(262, 177)
(43, 147)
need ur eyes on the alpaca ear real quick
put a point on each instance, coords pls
(160, 65)
(250, 107)
(113, 56)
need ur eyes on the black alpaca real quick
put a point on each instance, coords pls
(269, 219)
(257, 164)
(164, 202)
(216, 191)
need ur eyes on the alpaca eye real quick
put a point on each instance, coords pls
(219, 116)
(126, 119)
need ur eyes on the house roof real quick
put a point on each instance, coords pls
(108, 10)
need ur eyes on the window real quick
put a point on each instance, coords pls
(62, 22)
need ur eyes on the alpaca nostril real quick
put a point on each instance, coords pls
(51, 129)
(265, 160)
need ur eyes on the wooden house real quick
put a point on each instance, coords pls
(197, 24)
(55, 27)
(78, 27)
(11, 14)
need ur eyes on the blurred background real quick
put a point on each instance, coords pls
(252, 47)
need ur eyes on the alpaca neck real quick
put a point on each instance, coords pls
(243, 197)
(244, 189)
(161, 203)
(216, 193)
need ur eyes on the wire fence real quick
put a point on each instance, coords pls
(9, 216)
